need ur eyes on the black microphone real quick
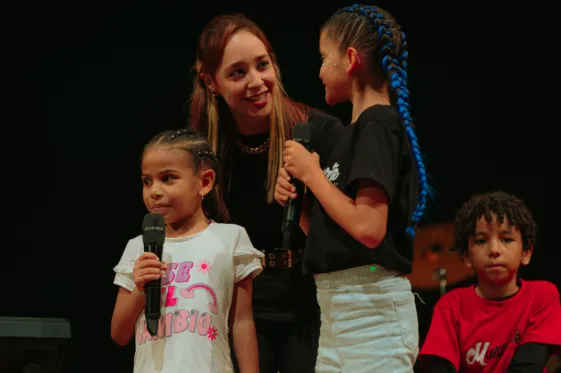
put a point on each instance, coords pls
(301, 133)
(153, 237)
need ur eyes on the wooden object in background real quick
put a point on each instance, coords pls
(433, 258)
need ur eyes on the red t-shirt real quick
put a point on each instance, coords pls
(478, 335)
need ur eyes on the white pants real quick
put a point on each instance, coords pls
(368, 322)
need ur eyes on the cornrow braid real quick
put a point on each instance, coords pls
(200, 152)
(394, 65)
(503, 206)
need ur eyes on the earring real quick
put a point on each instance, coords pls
(201, 194)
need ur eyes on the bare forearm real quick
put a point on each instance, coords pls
(128, 308)
(245, 345)
(339, 207)
(364, 217)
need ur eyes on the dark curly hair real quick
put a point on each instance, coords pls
(501, 204)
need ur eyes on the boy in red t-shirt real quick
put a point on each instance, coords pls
(502, 324)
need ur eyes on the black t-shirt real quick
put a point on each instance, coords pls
(279, 295)
(375, 148)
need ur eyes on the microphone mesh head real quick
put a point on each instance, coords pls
(153, 228)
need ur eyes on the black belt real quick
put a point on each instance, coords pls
(280, 258)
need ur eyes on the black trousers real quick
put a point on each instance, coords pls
(284, 348)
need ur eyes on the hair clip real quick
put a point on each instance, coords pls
(207, 153)
(178, 133)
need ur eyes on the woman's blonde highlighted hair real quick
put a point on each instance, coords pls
(211, 115)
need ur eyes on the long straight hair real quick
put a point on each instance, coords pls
(211, 115)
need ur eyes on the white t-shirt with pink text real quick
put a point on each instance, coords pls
(197, 294)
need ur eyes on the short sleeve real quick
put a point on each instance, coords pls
(124, 269)
(247, 259)
(442, 338)
(376, 153)
(544, 325)
(327, 131)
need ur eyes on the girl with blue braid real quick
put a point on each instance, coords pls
(366, 201)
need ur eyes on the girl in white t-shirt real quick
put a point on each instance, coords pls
(206, 269)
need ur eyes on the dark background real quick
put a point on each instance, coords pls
(98, 82)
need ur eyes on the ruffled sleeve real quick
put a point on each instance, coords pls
(124, 269)
(247, 259)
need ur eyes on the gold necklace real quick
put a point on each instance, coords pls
(249, 150)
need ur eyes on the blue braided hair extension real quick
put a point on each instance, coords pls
(395, 67)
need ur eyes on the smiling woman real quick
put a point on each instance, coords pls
(238, 100)
(245, 79)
